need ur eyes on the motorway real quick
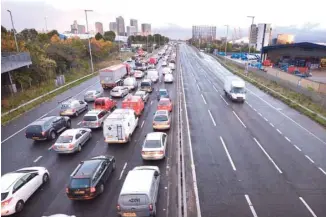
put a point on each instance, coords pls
(260, 158)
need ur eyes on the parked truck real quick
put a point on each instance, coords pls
(234, 88)
(113, 76)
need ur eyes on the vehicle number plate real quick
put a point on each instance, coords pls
(35, 137)
(79, 192)
(129, 214)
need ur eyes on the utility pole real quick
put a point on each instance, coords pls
(13, 27)
(89, 41)
(252, 23)
(46, 24)
(226, 38)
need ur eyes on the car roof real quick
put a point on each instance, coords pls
(70, 132)
(87, 168)
(154, 136)
(43, 120)
(146, 80)
(94, 112)
(91, 91)
(138, 181)
(162, 112)
(8, 179)
(118, 87)
(141, 91)
(163, 90)
(164, 99)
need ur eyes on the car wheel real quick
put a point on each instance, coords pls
(79, 148)
(45, 178)
(86, 108)
(19, 206)
(101, 188)
(53, 135)
(69, 124)
(113, 165)
(102, 125)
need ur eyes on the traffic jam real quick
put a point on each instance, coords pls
(132, 82)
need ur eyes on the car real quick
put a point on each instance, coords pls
(72, 140)
(164, 63)
(73, 107)
(18, 186)
(154, 146)
(161, 120)
(105, 103)
(139, 74)
(88, 180)
(129, 60)
(171, 66)
(92, 95)
(47, 128)
(95, 118)
(131, 83)
(166, 70)
(165, 104)
(162, 93)
(146, 85)
(153, 75)
(151, 66)
(143, 94)
(59, 215)
(119, 91)
(172, 60)
(168, 78)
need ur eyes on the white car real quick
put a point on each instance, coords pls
(168, 78)
(164, 63)
(139, 74)
(166, 70)
(143, 94)
(154, 146)
(92, 95)
(72, 140)
(119, 91)
(172, 66)
(18, 186)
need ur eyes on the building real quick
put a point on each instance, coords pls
(146, 29)
(99, 27)
(77, 29)
(253, 31)
(285, 39)
(81, 29)
(134, 23)
(131, 30)
(264, 32)
(206, 33)
(121, 30)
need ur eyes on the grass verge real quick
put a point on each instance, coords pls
(293, 99)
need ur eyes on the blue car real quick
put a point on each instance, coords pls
(162, 93)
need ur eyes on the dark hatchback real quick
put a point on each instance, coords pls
(88, 179)
(47, 128)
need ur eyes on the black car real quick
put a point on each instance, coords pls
(88, 179)
(47, 128)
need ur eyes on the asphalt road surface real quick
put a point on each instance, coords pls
(18, 152)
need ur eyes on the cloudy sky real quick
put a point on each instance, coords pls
(173, 17)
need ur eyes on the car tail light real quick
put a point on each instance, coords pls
(70, 145)
(143, 152)
(150, 207)
(97, 123)
(6, 202)
(74, 110)
(161, 152)
(93, 189)
(67, 190)
(43, 133)
(118, 207)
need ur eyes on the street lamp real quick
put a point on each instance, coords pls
(46, 25)
(13, 27)
(89, 40)
(226, 38)
(252, 22)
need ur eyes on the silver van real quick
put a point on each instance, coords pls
(138, 196)
(95, 118)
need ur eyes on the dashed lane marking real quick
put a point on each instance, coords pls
(308, 207)
(224, 100)
(252, 209)
(297, 147)
(309, 159)
(210, 114)
(37, 159)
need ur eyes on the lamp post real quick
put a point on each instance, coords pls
(89, 41)
(226, 38)
(13, 27)
(252, 22)
(46, 24)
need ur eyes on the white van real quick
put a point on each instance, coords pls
(152, 75)
(138, 196)
(131, 83)
(119, 126)
(234, 88)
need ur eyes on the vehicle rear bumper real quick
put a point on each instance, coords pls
(161, 127)
(85, 197)
(37, 138)
(154, 157)
(115, 141)
(66, 151)
(67, 113)
(8, 210)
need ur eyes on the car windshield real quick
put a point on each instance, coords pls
(238, 90)
(145, 84)
(90, 118)
(163, 102)
(163, 93)
(139, 94)
(152, 144)
(115, 90)
(4, 195)
(64, 139)
(90, 93)
(80, 183)
(161, 118)
(34, 129)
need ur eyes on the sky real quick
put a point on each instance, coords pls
(172, 17)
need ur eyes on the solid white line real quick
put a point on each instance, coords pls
(266, 119)
(37, 159)
(297, 148)
(260, 114)
(279, 131)
(287, 139)
(203, 99)
(198, 87)
(210, 114)
(239, 119)
(151, 102)
(215, 88)
(323, 171)
(308, 207)
(142, 124)
(251, 206)
(228, 154)
(124, 167)
(255, 110)
(269, 157)
(224, 100)
(271, 124)
(79, 123)
(310, 159)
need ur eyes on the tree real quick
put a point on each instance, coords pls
(55, 38)
(3, 30)
(98, 36)
(53, 32)
(28, 35)
(109, 36)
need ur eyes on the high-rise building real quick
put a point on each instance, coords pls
(146, 29)
(113, 27)
(99, 27)
(253, 35)
(207, 33)
(77, 29)
(131, 30)
(263, 35)
(285, 39)
(81, 29)
(134, 23)
(121, 26)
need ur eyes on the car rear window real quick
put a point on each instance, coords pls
(163, 102)
(4, 195)
(80, 183)
(152, 144)
(90, 118)
(163, 92)
(64, 139)
(64, 106)
(133, 199)
(145, 84)
(34, 129)
(99, 102)
(161, 118)
(115, 90)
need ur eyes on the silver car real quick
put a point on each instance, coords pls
(143, 94)
(73, 107)
(72, 140)
(95, 118)
(92, 95)
(119, 91)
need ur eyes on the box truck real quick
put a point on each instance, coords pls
(113, 75)
(234, 88)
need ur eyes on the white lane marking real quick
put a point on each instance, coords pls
(251, 206)
(279, 131)
(210, 114)
(37, 159)
(215, 88)
(142, 124)
(228, 154)
(224, 100)
(209, 81)
(250, 105)
(269, 157)
(151, 102)
(288, 117)
(271, 124)
(266, 119)
(287, 139)
(79, 123)
(203, 99)
(260, 114)
(308, 207)
(124, 167)
(239, 119)
(255, 109)
(323, 171)
(309, 159)
(297, 148)
(205, 76)
(9, 137)
(198, 87)
(50, 147)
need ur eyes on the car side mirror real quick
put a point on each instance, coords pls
(156, 174)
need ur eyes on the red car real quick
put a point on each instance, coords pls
(105, 103)
(165, 104)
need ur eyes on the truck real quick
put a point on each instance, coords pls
(113, 75)
(234, 88)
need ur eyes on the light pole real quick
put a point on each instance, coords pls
(13, 27)
(46, 24)
(226, 38)
(252, 22)
(89, 40)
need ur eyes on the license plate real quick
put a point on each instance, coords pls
(129, 214)
(110, 136)
(79, 192)
(35, 138)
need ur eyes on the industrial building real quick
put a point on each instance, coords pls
(207, 33)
